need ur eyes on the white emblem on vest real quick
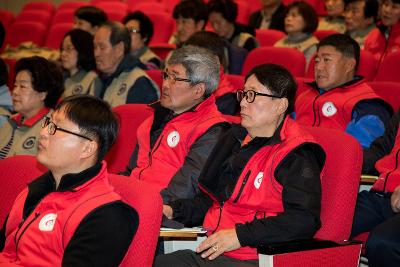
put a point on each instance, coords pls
(329, 109)
(173, 139)
(258, 180)
(46, 224)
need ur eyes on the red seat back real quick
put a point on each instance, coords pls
(388, 70)
(71, 5)
(155, 75)
(321, 34)
(146, 7)
(56, 34)
(148, 203)
(130, 117)
(289, 58)
(16, 173)
(162, 49)
(63, 16)
(43, 6)
(19, 33)
(267, 37)
(236, 80)
(389, 91)
(163, 24)
(115, 11)
(40, 16)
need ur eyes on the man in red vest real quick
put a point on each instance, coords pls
(175, 142)
(71, 216)
(378, 210)
(338, 98)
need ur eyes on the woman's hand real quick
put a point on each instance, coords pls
(167, 211)
(218, 243)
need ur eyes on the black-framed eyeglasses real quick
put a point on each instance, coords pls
(52, 128)
(250, 95)
(165, 76)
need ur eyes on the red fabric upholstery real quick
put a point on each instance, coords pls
(389, 91)
(267, 37)
(289, 58)
(115, 11)
(95, 2)
(236, 80)
(162, 49)
(367, 67)
(18, 33)
(40, 16)
(146, 7)
(155, 75)
(130, 117)
(163, 24)
(6, 17)
(388, 70)
(63, 16)
(243, 12)
(170, 4)
(147, 202)
(363, 238)
(56, 34)
(16, 173)
(43, 6)
(321, 34)
(71, 5)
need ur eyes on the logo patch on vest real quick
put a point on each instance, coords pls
(46, 224)
(29, 142)
(258, 180)
(122, 89)
(173, 139)
(329, 109)
(77, 90)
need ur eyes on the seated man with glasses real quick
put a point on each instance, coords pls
(71, 216)
(175, 142)
(260, 185)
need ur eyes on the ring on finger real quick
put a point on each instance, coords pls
(215, 247)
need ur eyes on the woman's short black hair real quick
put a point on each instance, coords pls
(46, 77)
(95, 119)
(145, 25)
(227, 8)
(278, 80)
(191, 9)
(83, 44)
(308, 13)
(94, 15)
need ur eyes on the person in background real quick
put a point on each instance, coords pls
(77, 60)
(300, 23)
(360, 17)
(271, 16)
(141, 29)
(335, 16)
(260, 185)
(222, 15)
(378, 210)
(123, 77)
(71, 215)
(225, 94)
(385, 39)
(190, 16)
(338, 98)
(38, 86)
(89, 18)
(174, 143)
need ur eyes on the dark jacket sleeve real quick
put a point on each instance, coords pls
(382, 146)
(227, 104)
(103, 237)
(142, 92)
(299, 174)
(184, 184)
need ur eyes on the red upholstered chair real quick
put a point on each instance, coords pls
(19, 33)
(243, 12)
(163, 26)
(339, 193)
(56, 34)
(71, 5)
(115, 11)
(44, 6)
(388, 70)
(16, 173)
(389, 91)
(40, 16)
(95, 2)
(146, 7)
(63, 16)
(289, 58)
(170, 4)
(155, 75)
(321, 34)
(130, 117)
(267, 37)
(162, 49)
(6, 17)
(148, 203)
(236, 80)
(366, 68)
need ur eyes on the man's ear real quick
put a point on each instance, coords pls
(120, 48)
(350, 65)
(200, 90)
(281, 106)
(89, 149)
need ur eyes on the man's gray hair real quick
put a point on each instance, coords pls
(201, 66)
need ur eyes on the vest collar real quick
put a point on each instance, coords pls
(356, 80)
(19, 119)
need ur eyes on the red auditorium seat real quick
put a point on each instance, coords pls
(95, 2)
(163, 26)
(267, 37)
(71, 5)
(115, 11)
(236, 80)
(254, 5)
(321, 34)
(63, 16)
(43, 6)
(389, 68)
(289, 58)
(146, 7)
(35, 34)
(162, 49)
(389, 91)
(366, 68)
(39, 16)
(6, 17)
(56, 34)
(170, 4)
(243, 12)
(155, 75)
(132, 3)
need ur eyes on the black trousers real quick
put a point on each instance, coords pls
(374, 214)
(188, 258)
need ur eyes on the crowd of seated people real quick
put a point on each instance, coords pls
(200, 161)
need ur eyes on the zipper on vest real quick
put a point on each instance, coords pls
(242, 186)
(23, 231)
(151, 155)
(221, 205)
(395, 167)
(316, 113)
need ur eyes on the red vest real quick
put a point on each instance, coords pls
(257, 193)
(159, 165)
(377, 44)
(42, 238)
(388, 168)
(332, 109)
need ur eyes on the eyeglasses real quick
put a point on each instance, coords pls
(165, 76)
(52, 128)
(250, 95)
(133, 30)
